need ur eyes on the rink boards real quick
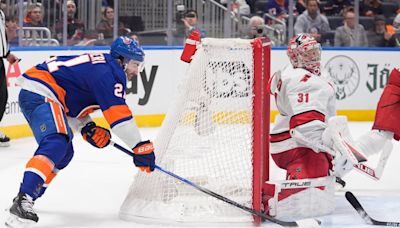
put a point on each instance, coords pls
(359, 76)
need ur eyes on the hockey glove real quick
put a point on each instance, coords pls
(144, 156)
(97, 136)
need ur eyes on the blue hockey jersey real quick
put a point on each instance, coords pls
(82, 84)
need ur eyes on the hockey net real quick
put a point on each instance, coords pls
(215, 135)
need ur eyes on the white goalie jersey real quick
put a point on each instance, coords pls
(305, 102)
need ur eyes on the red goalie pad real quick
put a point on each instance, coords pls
(299, 163)
(388, 110)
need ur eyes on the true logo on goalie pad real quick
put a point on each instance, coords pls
(296, 184)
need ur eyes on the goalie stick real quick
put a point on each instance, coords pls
(360, 210)
(376, 173)
(299, 223)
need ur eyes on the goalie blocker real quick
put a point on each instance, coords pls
(388, 110)
(386, 127)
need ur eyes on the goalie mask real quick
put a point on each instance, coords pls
(305, 52)
(130, 53)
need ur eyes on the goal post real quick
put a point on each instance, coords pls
(261, 119)
(216, 134)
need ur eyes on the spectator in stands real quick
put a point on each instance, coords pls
(396, 22)
(255, 28)
(301, 6)
(371, 8)
(350, 34)
(379, 37)
(34, 16)
(281, 7)
(252, 5)
(185, 24)
(395, 39)
(336, 7)
(75, 27)
(190, 22)
(105, 27)
(312, 21)
(391, 28)
(11, 30)
(277, 7)
(238, 6)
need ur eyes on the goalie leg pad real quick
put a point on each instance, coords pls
(300, 164)
(316, 200)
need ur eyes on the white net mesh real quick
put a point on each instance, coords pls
(205, 138)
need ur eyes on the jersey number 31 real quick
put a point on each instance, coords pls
(302, 97)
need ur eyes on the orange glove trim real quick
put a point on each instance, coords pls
(144, 149)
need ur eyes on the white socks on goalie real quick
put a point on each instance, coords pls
(373, 142)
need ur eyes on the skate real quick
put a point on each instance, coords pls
(4, 140)
(22, 214)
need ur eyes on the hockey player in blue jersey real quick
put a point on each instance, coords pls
(58, 96)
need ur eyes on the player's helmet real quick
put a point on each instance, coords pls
(126, 48)
(305, 52)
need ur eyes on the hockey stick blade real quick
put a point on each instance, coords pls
(299, 223)
(360, 210)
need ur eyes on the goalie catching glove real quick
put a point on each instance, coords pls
(144, 156)
(97, 136)
(337, 136)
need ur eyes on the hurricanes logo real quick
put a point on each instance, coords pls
(345, 74)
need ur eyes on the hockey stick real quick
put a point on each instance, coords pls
(368, 171)
(299, 223)
(360, 210)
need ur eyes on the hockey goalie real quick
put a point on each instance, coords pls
(307, 139)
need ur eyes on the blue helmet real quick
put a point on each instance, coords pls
(127, 48)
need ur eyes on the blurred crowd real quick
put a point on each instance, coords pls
(331, 22)
(37, 29)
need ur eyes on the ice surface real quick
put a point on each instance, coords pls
(89, 192)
